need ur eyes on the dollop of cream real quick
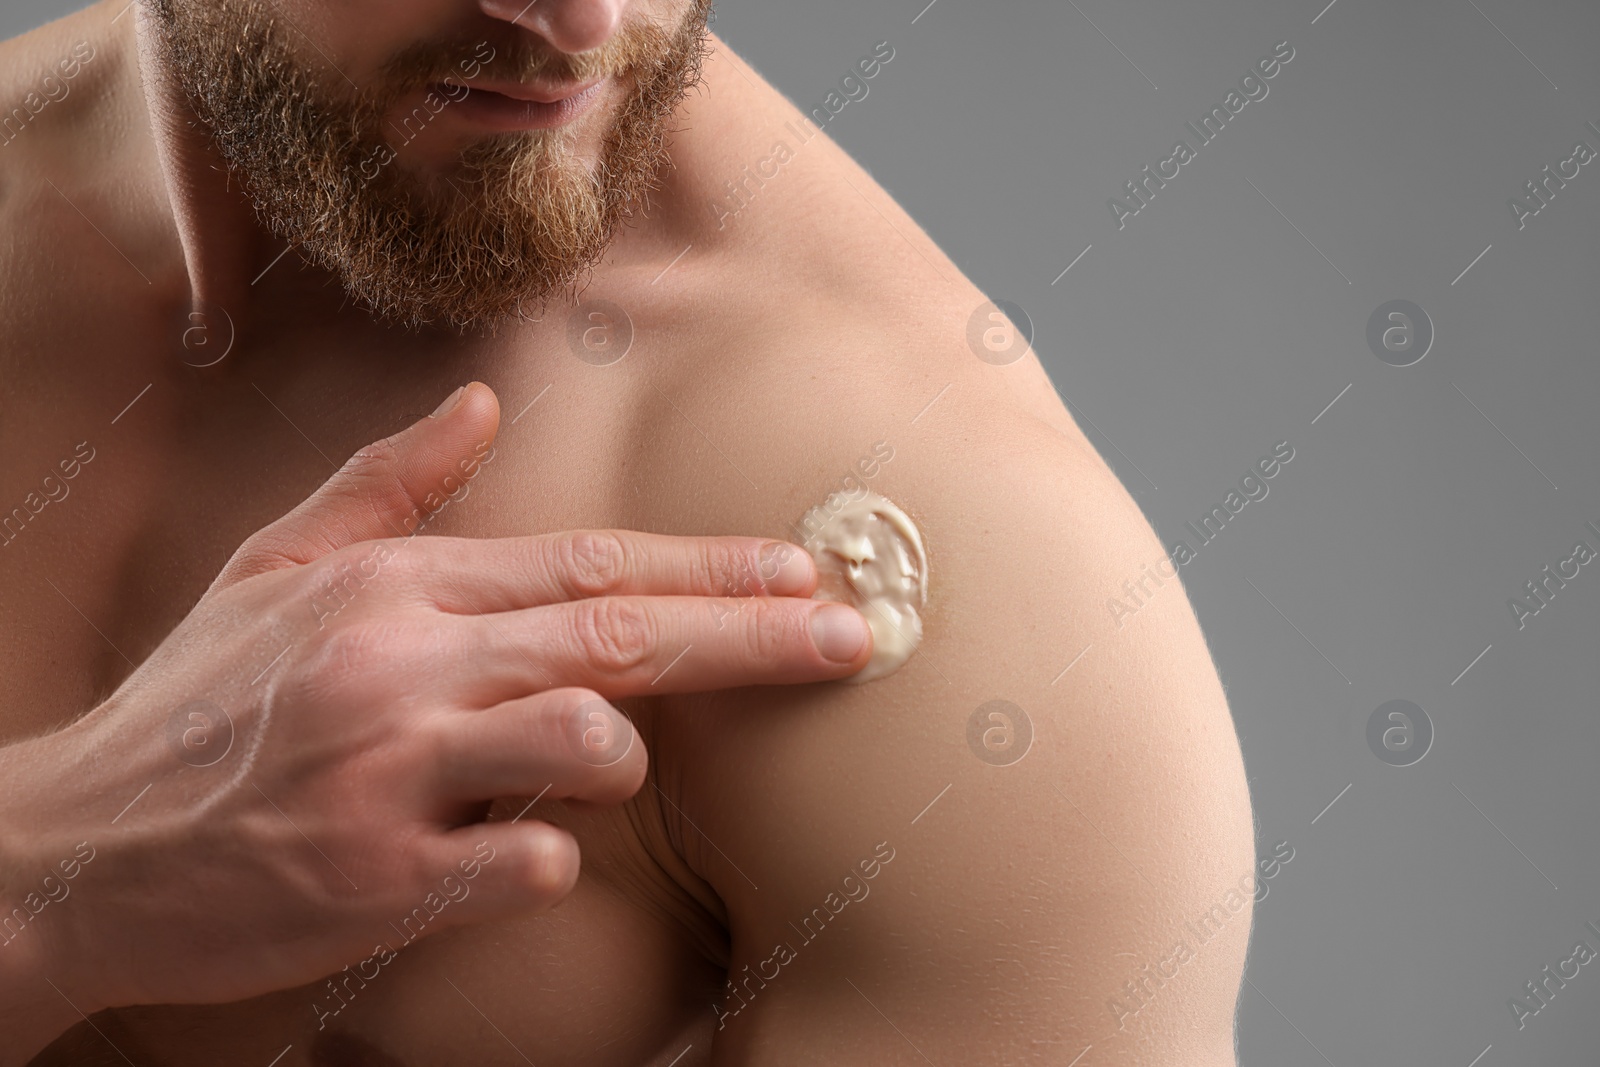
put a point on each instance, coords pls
(869, 554)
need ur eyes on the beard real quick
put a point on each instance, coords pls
(514, 218)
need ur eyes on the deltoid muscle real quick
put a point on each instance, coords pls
(869, 555)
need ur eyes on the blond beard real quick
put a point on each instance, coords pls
(517, 219)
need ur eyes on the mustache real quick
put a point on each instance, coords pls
(639, 45)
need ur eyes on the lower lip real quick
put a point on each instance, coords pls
(503, 113)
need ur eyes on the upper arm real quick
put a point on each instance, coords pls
(895, 896)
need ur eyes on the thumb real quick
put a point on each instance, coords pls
(388, 489)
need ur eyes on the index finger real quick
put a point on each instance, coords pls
(470, 576)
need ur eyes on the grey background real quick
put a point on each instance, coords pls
(1381, 563)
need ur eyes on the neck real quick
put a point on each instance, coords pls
(224, 246)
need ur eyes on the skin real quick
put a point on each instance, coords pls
(766, 362)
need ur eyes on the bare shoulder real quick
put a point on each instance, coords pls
(52, 78)
(1032, 812)
(1025, 814)
(76, 228)
(65, 121)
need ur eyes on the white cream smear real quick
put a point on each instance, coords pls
(869, 555)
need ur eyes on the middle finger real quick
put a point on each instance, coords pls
(639, 645)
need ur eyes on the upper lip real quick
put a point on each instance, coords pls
(535, 92)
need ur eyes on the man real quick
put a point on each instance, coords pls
(245, 239)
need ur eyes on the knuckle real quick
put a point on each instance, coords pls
(546, 727)
(268, 549)
(367, 558)
(350, 650)
(369, 483)
(342, 578)
(614, 635)
(727, 570)
(376, 456)
(389, 556)
(771, 632)
(365, 474)
(592, 562)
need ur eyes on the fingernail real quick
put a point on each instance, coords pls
(449, 402)
(785, 569)
(839, 632)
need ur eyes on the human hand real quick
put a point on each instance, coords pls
(309, 756)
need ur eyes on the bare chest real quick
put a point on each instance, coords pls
(120, 535)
